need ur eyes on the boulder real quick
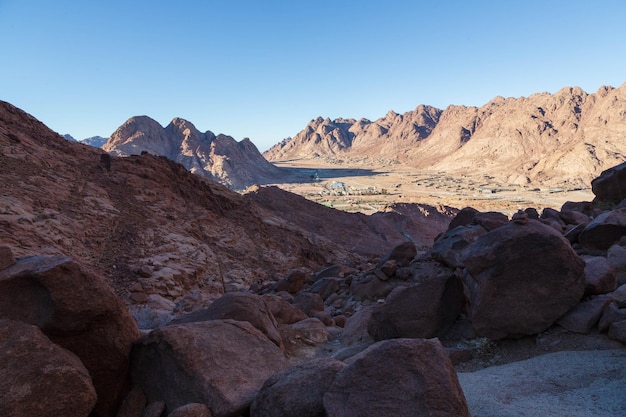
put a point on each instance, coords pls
(154, 409)
(239, 306)
(77, 310)
(423, 310)
(616, 256)
(584, 317)
(464, 217)
(283, 311)
(326, 286)
(369, 287)
(400, 378)
(521, 279)
(311, 331)
(293, 283)
(617, 331)
(309, 302)
(220, 363)
(39, 378)
(133, 405)
(355, 329)
(402, 254)
(610, 186)
(604, 230)
(611, 314)
(448, 247)
(298, 391)
(600, 276)
(191, 410)
(490, 220)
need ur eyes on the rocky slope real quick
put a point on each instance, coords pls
(566, 138)
(234, 164)
(152, 227)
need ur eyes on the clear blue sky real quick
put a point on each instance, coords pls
(263, 69)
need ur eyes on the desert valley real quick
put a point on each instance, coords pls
(438, 262)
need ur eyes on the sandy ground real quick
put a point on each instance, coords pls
(369, 188)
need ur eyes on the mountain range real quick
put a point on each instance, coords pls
(218, 157)
(566, 138)
(95, 141)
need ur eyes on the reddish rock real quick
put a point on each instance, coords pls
(246, 307)
(283, 311)
(400, 378)
(584, 317)
(311, 331)
(309, 302)
(293, 283)
(521, 279)
(78, 311)
(39, 378)
(355, 329)
(604, 230)
(6, 257)
(463, 218)
(369, 287)
(298, 391)
(402, 254)
(490, 220)
(610, 186)
(448, 247)
(326, 286)
(191, 410)
(220, 363)
(573, 217)
(600, 276)
(423, 310)
(133, 405)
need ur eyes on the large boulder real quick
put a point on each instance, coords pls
(610, 186)
(604, 230)
(448, 247)
(283, 311)
(220, 363)
(423, 310)
(298, 391)
(522, 278)
(77, 310)
(242, 307)
(39, 378)
(400, 378)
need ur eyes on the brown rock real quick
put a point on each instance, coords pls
(133, 405)
(325, 287)
(293, 283)
(448, 247)
(309, 302)
(39, 378)
(298, 391)
(424, 382)
(423, 310)
(463, 218)
(311, 331)
(521, 279)
(220, 363)
(250, 308)
(6, 257)
(402, 254)
(78, 311)
(369, 287)
(609, 186)
(191, 410)
(490, 220)
(154, 409)
(600, 276)
(355, 330)
(283, 311)
(584, 317)
(604, 230)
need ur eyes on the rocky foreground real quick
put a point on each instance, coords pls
(330, 333)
